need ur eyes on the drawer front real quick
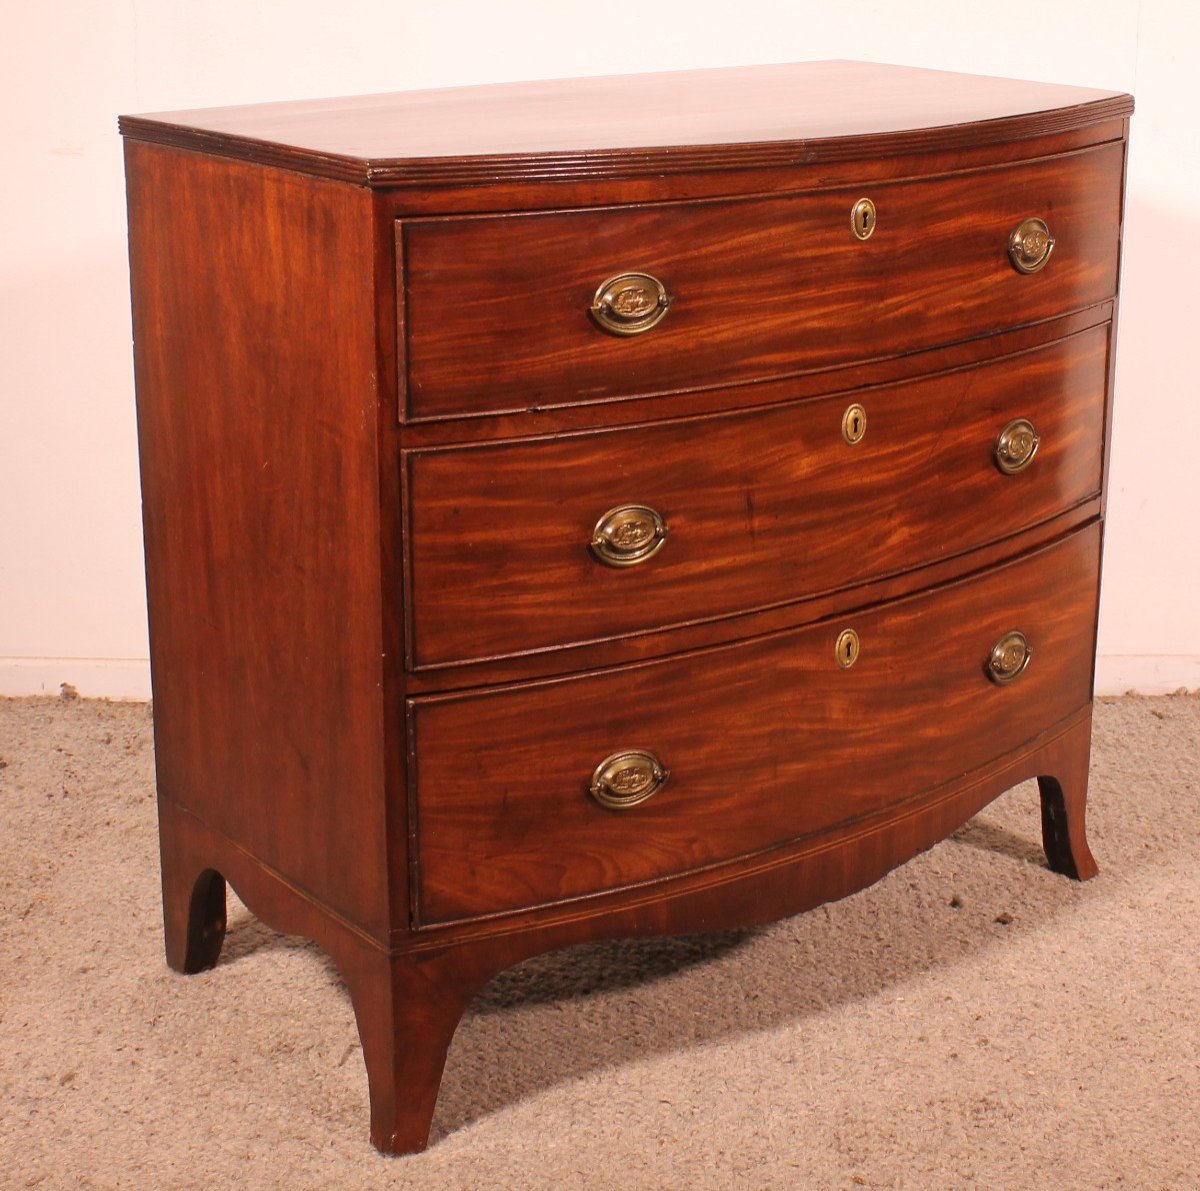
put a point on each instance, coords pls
(497, 309)
(763, 742)
(758, 507)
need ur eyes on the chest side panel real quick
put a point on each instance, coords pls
(255, 356)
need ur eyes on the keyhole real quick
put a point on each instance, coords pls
(862, 218)
(846, 650)
(854, 423)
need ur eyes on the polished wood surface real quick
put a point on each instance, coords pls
(499, 557)
(255, 364)
(407, 1002)
(630, 124)
(321, 568)
(567, 419)
(616, 651)
(496, 309)
(765, 741)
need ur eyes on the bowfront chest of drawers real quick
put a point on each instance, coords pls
(619, 506)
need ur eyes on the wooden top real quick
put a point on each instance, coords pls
(629, 125)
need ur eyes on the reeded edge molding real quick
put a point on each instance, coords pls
(595, 164)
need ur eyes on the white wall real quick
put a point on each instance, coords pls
(71, 595)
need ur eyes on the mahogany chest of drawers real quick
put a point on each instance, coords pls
(634, 505)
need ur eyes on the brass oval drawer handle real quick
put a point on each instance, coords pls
(1008, 659)
(627, 535)
(630, 303)
(1016, 446)
(627, 778)
(1030, 245)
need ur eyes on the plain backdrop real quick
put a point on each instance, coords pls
(71, 588)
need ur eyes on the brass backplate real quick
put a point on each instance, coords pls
(1016, 446)
(630, 303)
(627, 778)
(1030, 245)
(627, 535)
(1008, 659)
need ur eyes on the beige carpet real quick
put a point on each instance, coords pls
(972, 1021)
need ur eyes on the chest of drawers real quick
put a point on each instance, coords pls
(620, 506)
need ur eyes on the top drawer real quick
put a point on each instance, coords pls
(496, 309)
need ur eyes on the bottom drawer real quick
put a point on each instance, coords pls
(761, 742)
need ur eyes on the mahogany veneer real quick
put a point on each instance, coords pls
(853, 478)
(749, 497)
(763, 286)
(767, 740)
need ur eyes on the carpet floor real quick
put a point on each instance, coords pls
(972, 1021)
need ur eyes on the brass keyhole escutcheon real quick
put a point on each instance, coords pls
(854, 423)
(862, 218)
(846, 649)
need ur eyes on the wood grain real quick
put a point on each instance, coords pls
(638, 647)
(407, 1000)
(496, 308)
(766, 741)
(255, 357)
(630, 125)
(565, 419)
(344, 386)
(762, 507)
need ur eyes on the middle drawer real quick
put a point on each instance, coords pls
(539, 543)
